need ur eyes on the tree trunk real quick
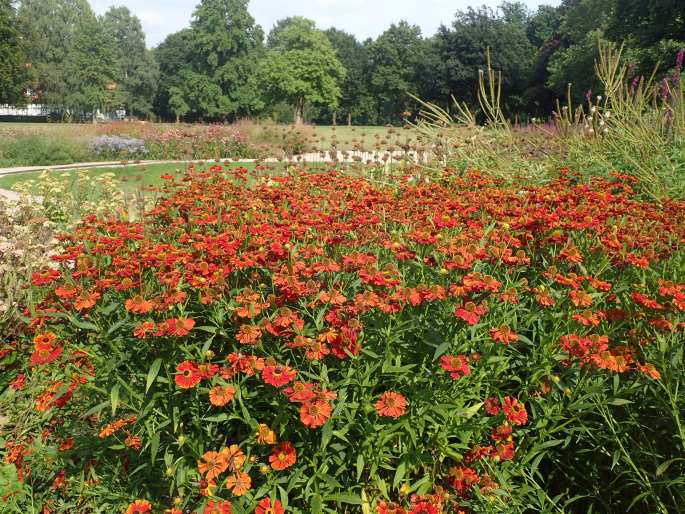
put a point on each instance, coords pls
(335, 118)
(349, 119)
(298, 114)
(178, 119)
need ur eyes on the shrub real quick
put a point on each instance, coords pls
(336, 345)
(117, 147)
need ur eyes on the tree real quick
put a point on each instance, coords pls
(583, 22)
(91, 68)
(173, 56)
(354, 95)
(135, 71)
(12, 59)
(463, 48)
(227, 45)
(51, 27)
(301, 67)
(393, 68)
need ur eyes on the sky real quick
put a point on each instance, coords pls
(363, 18)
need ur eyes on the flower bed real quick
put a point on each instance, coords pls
(320, 343)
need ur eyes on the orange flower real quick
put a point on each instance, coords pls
(47, 339)
(248, 334)
(283, 456)
(504, 335)
(179, 327)
(139, 507)
(221, 395)
(86, 301)
(234, 457)
(239, 483)
(133, 441)
(115, 426)
(265, 435)
(213, 464)
(220, 507)
(138, 305)
(316, 413)
(391, 404)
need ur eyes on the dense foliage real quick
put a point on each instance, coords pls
(325, 343)
(210, 71)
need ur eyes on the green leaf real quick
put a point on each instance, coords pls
(152, 374)
(619, 401)
(360, 466)
(351, 498)
(317, 504)
(471, 411)
(154, 447)
(114, 398)
(441, 350)
(664, 466)
(399, 474)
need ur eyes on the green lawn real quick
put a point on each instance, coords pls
(131, 178)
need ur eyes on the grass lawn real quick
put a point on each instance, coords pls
(131, 178)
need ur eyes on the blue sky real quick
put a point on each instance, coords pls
(363, 18)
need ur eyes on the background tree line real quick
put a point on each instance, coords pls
(223, 67)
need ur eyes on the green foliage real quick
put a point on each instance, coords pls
(52, 26)
(135, 72)
(462, 52)
(90, 68)
(393, 68)
(12, 58)
(301, 67)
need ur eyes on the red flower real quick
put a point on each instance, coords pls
(456, 365)
(145, 328)
(316, 413)
(278, 375)
(384, 507)
(424, 507)
(470, 312)
(265, 507)
(391, 404)
(44, 277)
(515, 411)
(492, 406)
(139, 507)
(45, 355)
(283, 456)
(463, 478)
(187, 375)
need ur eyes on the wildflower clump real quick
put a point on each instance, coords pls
(319, 340)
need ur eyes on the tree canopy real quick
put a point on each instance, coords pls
(12, 58)
(223, 68)
(301, 67)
